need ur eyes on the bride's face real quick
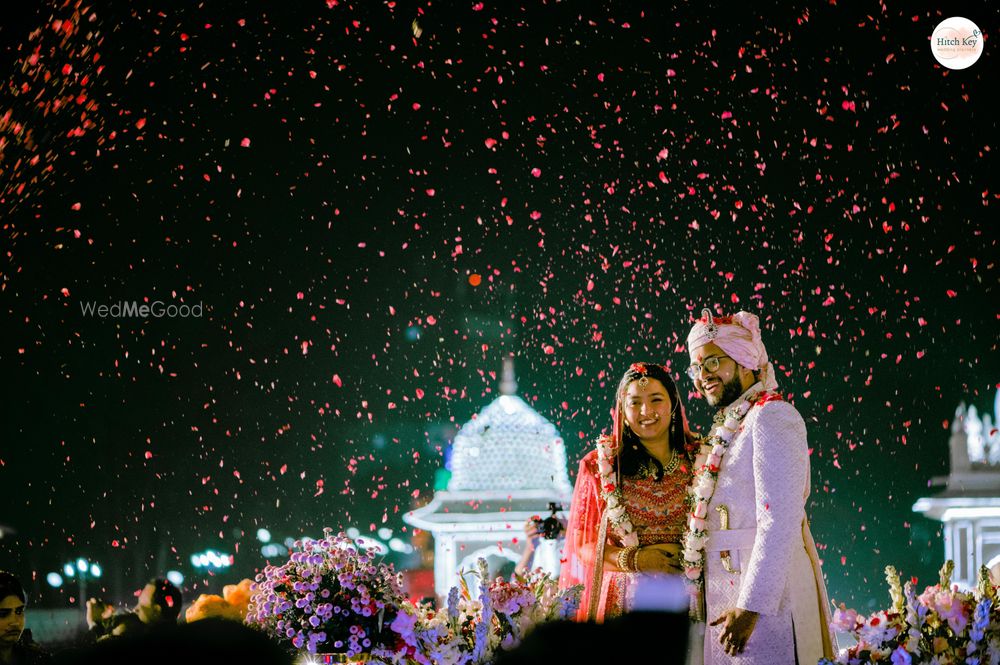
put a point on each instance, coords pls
(647, 409)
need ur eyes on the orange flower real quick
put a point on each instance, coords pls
(238, 595)
(210, 606)
(232, 604)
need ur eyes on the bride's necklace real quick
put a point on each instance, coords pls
(649, 470)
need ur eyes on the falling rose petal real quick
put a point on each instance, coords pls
(536, 215)
(65, 291)
(245, 143)
(430, 191)
(337, 382)
(537, 172)
(475, 279)
(300, 295)
(75, 206)
(140, 123)
(490, 142)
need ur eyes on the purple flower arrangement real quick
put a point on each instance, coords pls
(330, 596)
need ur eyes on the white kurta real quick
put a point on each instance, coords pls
(764, 482)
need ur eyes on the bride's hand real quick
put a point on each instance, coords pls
(662, 558)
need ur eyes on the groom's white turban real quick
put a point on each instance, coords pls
(739, 336)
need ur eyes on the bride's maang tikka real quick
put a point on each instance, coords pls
(643, 369)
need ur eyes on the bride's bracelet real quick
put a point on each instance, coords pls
(626, 559)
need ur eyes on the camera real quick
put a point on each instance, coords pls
(550, 527)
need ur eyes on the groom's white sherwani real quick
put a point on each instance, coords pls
(763, 483)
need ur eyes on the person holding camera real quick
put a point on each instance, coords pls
(629, 505)
(543, 542)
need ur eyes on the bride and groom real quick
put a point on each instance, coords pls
(725, 510)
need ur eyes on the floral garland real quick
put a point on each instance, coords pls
(725, 426)
(612, 493)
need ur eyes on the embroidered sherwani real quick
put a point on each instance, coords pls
(763, 483)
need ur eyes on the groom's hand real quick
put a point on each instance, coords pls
(737, 625)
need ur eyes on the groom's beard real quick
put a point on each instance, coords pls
(731, 391)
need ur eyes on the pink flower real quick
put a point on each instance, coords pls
(697, 523)
(700, 510)
(951, 608)
(844, 620)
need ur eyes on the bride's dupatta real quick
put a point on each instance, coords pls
(585, 541)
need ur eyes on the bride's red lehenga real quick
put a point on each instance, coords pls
(658, 510)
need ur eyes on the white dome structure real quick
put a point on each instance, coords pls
(509, 446)
(508, 463)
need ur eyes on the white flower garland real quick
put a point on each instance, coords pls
(614, 503)
(707, 462)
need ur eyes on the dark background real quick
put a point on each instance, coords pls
(812, 164)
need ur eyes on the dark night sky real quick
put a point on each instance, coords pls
(605, 170)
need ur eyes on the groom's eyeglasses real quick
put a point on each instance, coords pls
(710, 364)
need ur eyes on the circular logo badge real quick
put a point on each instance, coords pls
(957, 43)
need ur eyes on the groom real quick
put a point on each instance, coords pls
(765, 596)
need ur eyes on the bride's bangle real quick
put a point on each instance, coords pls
(626, 559)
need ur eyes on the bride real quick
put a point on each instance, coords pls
(629, 505)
